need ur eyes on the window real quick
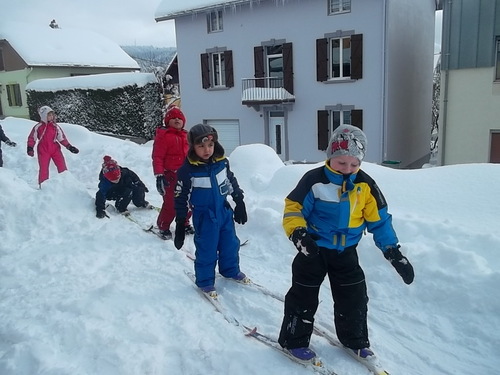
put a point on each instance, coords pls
(214, 21)
(331, 119)
(273, 62)
(14, 95)
(497, 75)
(339, 6)
(339, 57)
(217, 69)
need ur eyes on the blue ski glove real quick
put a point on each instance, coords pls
(400, 263)
(305, 242)
(180, 232)
(161, 184)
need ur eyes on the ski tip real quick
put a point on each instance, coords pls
(251, 331)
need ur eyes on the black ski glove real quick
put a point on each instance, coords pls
(11, 144)
(100, 214)
(180, 232)
(400, 263)
(161, 184)
(30, 151)
(240, 211)
(73, 149)
(305, 242)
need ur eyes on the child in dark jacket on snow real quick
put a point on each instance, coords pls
(204, 182)
(4, 138)
(121, 185)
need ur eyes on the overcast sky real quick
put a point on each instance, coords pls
(125, 22)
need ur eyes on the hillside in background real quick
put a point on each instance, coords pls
(149, 58)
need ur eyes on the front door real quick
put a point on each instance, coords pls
(277, 133)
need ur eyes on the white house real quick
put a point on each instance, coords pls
(30, 52)
(469, 125)
(287, 72)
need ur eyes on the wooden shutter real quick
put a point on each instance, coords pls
(288, 67)
(258, 62)
(322, 130)
(205, 71)
(357, 56)
(495, 148)
(228, 66)
(357, 118)
(321, 60)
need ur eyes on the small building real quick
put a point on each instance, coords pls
(29, 53)
(469, 125)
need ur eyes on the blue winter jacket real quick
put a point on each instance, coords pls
(337, 208)
(205, 186)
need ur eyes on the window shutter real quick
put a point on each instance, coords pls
(258, 62)
(357, 118)
(17, 93)
(322, 130)
(228, 65)
(9, 95)
(288, 67)
(321, 60)
(205, 75)
(357, 56)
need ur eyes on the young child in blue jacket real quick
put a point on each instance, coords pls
(204, 182)
(325, 217)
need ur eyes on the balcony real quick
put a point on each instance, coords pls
(267, 90)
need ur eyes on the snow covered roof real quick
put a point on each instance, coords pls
(107, 81)
(168, 9)
(44, 46)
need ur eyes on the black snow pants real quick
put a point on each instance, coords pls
(347, 282)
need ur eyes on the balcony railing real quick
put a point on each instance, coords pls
(267, 90)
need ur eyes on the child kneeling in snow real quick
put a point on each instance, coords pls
(203, 183)
(121, 185)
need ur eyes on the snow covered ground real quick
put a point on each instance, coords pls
(84, 296)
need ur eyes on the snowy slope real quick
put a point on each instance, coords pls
(79, 295)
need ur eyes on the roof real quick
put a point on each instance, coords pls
(44, 46)
(168, 9)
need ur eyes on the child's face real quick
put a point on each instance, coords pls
(204, 150)
(175, 123)
(345, 164)
(51, 116)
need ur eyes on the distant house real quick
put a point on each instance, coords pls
(469, 125)
(171, 89)
(28, 53)
(286, 73)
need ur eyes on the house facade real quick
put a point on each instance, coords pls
(469, 126)
(286, 73)
(29, 53)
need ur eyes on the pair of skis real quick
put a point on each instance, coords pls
(315, 364)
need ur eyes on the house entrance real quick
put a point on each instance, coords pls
(277, 133)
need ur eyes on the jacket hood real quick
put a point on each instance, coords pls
(43, 112)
